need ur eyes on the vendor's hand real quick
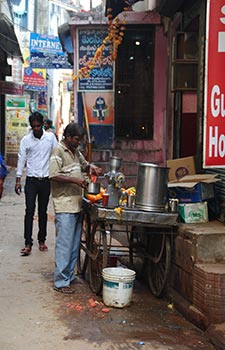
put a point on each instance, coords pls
(18, 188)
(83, 183)
(95, 170)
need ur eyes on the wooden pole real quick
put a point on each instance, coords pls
(89, 149)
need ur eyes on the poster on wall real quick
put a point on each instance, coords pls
(101, 77)
(100, 108)
(100, 113)
(214, 112)
(34, 79)
(16, 123)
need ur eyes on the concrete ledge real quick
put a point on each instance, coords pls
(188, 310)
(215, 332)
(208, 240)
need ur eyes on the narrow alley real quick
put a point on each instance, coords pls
(34, 316)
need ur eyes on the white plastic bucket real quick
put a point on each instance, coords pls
(117, 286)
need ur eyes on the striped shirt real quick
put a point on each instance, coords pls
(67, 197)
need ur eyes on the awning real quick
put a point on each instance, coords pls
(66, 41)
(9, 45)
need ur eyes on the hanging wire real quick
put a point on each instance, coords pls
(10, 53)
(8, 38)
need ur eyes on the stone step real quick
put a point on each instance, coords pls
(208, 304)
(198, 271)
(203, 242)
(208, 295)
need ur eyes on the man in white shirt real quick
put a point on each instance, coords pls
(34, 153)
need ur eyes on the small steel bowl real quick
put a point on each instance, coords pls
(93, 188)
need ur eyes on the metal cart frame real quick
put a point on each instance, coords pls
(149, 241)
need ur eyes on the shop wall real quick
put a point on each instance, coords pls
(148, 150)
(153, 150)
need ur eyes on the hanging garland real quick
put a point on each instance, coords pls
(115, 37)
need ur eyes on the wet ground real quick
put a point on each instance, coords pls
(34, 316)
(146, 321)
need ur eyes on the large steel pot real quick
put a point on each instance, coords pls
(151, 187)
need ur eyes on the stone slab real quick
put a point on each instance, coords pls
(207, 238)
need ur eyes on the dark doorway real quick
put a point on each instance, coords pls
(134, 84)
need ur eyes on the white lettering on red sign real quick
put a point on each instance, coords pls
(216, 143)
(217, 102)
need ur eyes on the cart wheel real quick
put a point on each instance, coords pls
(138, 248)
(158, 263)
(82, 262)
(98, 257)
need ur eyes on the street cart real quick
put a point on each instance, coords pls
(149, 241)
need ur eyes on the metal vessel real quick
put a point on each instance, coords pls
(151, 187)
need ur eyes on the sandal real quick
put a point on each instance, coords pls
(64, 290)
(26, 250)
(43, 247)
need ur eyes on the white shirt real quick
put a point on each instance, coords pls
(35, 154)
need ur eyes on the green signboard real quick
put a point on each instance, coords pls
(17, 102)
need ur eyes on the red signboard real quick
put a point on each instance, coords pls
(214, 122)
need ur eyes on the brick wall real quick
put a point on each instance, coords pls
(209, 291)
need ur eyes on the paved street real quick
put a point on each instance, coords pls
(35, 317)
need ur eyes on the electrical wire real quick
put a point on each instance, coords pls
(8, 38)
(10, 53)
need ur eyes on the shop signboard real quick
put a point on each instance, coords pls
(214, 112)
(15, 102)
(101, 76)
(34, 78)
(46, 52)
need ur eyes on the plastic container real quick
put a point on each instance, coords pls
(117, 286)
(105, 199)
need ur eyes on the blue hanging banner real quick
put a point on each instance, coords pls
(46, 52)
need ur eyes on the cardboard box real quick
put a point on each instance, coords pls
(180, 167)
(193, 188)
(194, 212)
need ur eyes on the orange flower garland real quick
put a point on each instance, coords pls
(114, 37)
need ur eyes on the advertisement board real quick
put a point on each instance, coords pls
(101, 77)
(214, 111)
(46, 52)
(17, 114)
(34, 79)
